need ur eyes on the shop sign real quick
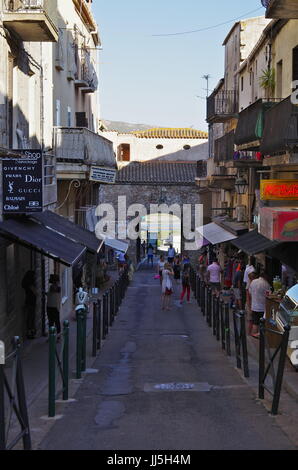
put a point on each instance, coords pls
(279, 190)
(103, 175)
(22, 180)
(280, 224)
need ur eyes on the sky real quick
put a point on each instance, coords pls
(157, 80)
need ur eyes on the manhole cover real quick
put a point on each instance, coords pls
(178, 387)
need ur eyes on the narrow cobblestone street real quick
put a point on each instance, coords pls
(163, 383)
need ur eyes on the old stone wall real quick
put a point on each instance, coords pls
(147, 195)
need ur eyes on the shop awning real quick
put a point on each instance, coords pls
(4, 242)
(68, 229)
(253, 243)
(116, 244)
(286, 253)
(45, 241)
(215, 234)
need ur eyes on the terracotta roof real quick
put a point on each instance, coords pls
(158, 172)
(171, 133)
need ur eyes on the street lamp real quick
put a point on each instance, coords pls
(241, 185)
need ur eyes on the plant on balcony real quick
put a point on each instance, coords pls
(267, 82)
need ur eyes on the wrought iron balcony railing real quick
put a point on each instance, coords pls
(251, 123)
(222, 106)
(224, 148)
(281, 129)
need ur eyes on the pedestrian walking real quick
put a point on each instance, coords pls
(167, 286)
(28, 284)
(185, 259)
(213, 276)
(251, 276)
(237, 286)
(185, 283)
(171, 254)
(121, 261)
(160, 267)
(54, 303)
(130, 267)
(250, 268)
(177, 269)
(203, 263)
(257, 290)
(150, 255)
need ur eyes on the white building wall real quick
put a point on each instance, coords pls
(142, 149)
(72, 27)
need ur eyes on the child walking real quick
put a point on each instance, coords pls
(167, 286)
(185, 283)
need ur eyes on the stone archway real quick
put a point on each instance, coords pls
(166, 184)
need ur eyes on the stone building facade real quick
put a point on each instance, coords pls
(154, 183)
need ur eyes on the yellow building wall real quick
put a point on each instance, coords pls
(282, 48)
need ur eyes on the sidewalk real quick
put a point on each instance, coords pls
(35, 354)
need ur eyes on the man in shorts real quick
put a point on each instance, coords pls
(257, 291)
(213, 276)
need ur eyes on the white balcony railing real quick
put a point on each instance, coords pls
(24, 5)
(31, 20)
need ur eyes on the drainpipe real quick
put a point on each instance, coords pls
(41, 100)
(251, 194)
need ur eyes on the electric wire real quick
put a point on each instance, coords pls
(209, 27)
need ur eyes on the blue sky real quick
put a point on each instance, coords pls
(157, 80)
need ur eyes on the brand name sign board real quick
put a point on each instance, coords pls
(23, 182)
(103, 175)
(279, 190)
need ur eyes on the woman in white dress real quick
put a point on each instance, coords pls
(167, 286)
(160, 266)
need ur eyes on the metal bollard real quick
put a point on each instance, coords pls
(209, 307)
(262, 359)
(203, 298)
(107, 313)
(84, 345)
(222, 324)
(99, 324)
(65, 359)
(2, 405)
(94, 329)
(217, 318)
(111, 306)
(213, 312)
(227, 328)
(22, 396)
(198, 289)
(52, 372)
(80, 341)
(104, 301)
(116, 297)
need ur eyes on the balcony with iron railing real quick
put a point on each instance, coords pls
(251, 122)
(224, 148)
(281, 129)
(283, 9)
(222, 106)
(80, 145)
(30, 20)
(86, 76)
